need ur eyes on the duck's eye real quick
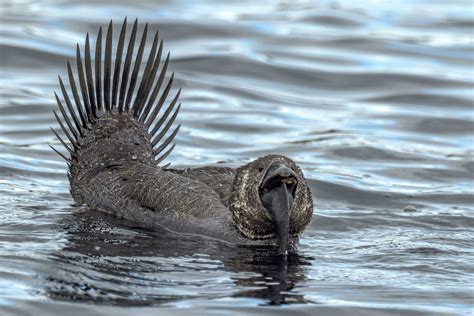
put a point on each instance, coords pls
(260, 169)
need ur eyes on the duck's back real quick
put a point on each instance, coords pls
(220, 179)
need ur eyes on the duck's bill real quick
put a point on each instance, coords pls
(276, 192)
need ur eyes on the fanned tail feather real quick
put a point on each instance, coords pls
(115, 91)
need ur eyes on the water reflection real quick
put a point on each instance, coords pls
(107, 262)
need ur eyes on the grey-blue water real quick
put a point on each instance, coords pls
(374, 99)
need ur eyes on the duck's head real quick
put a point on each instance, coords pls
(270, 199)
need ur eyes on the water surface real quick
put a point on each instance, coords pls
(373, 99)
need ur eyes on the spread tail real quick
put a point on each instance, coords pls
(105, 89)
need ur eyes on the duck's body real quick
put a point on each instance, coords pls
(116, 146)
(116, 172)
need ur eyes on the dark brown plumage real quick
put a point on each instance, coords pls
(120, 131)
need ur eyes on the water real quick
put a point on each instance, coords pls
(373, 99)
